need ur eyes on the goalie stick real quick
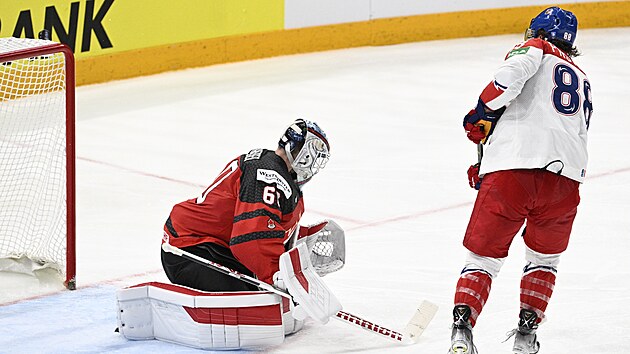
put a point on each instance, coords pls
(423, 315)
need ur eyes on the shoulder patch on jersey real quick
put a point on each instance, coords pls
(271, 176)
(517, 51)
(523, 47)
(253, 154)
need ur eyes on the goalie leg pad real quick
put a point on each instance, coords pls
(291, 321)
(306, 287)
(204, 320)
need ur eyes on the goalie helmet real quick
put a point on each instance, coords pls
(307, 149)
(556, 23)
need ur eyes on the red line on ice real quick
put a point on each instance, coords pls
(360, 224)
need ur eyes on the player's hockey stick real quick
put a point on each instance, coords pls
(423, 315)
(479, 153)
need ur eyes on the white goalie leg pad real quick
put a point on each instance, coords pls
(204, 320)
(489, 265)
(291, 321)
(326, 242)
(306, 287)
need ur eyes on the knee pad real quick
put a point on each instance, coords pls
(488, 265)
(540, 261)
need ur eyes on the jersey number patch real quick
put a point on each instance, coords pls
(270, 195)
(566, 93)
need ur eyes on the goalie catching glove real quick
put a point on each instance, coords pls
(326, 244)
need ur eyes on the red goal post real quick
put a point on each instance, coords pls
(37, 157)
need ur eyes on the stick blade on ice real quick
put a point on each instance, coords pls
(420, 320)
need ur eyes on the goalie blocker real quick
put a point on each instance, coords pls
(229, 320)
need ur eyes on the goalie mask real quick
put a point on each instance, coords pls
(307, 149)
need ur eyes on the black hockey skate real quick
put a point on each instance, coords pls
(461, 337)
(525, 341)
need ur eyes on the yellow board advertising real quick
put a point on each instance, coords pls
(96, 27)
(118, 39)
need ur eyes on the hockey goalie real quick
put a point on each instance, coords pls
(240, 319)
(244, 272)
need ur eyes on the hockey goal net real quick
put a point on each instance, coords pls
(37, 212)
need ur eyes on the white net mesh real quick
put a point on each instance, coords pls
(33, 208)
(328, 254)
(327, 248)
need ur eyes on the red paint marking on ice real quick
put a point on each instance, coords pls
(359, 223)
(119, 279)
(456, 206)
(86, 286)
(152, 175)
(142, 173)
(337, 217)
(409, 216)
(609, 173)
(31, 298)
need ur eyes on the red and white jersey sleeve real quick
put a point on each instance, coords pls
(548, 108)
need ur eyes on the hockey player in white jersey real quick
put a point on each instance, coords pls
(532, 120)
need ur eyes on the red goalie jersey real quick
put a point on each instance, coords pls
(251, 208)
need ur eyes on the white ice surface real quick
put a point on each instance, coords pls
(396, 182)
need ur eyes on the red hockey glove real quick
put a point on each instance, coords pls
(475, 133)
(479, 122)
(473, 176)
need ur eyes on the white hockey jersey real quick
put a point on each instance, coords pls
(548, 100)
